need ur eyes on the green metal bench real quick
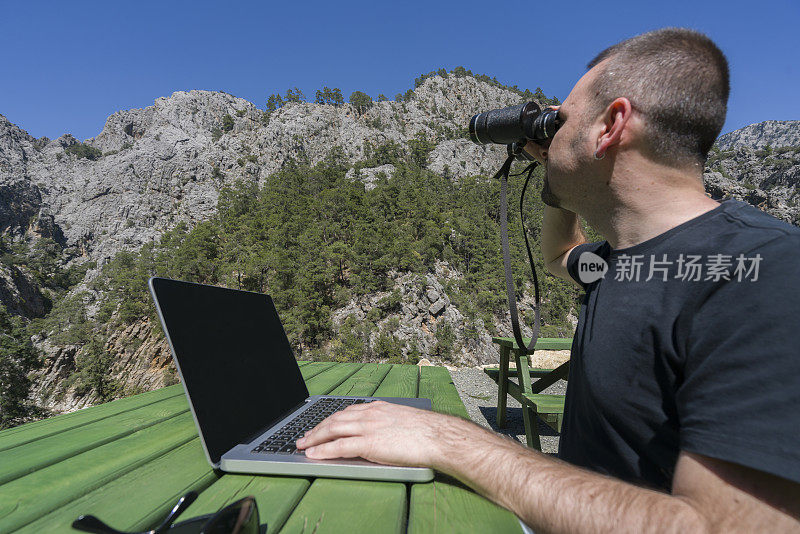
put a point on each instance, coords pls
(550, 408)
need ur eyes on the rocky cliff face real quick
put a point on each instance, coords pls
(142, 363)
(773, 133)
(149, 169)
(759, 164)
(767, 178)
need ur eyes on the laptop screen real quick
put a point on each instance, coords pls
(233, 354)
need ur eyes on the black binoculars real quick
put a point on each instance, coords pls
(514, 124)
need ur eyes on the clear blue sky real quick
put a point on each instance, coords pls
(66, 66)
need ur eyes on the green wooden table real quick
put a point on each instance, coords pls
(129, 461)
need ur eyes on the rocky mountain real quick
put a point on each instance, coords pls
(150, 169)
(767, 177)
(756, 136)
(166, 163)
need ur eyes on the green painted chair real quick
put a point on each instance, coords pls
(550, 408)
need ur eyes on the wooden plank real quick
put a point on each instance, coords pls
(400, 381)
(545, 378)
(502, 389)
(535, 372)
(313, 369)
(167, 391)
(365, 381)
(26, 499)
(515, 391)
(543, 343)
(559, 373)
(546, 403)
(435, 383)
(19, 461)
(13, 437)
(447, 508)
(276, 497)
(524, 375)
(329, 380)
(528, 416)
(148, 492)
(352, 506)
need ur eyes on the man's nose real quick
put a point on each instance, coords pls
(537, 151)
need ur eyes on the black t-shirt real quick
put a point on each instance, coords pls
(669, 355)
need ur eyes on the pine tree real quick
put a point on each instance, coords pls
(295, 95)
(336, 97)
(274, 102)
(17, 359)
(360, 101)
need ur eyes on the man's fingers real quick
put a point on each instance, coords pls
(349, 447)
(358, 407)
(351, 413)
(339, 417)
(537, 151)
(330, 431)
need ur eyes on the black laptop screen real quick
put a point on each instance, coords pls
(236, 362)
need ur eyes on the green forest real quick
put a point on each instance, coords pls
(312, 239)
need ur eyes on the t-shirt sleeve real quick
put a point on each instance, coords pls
(740, 396)
(572, 260)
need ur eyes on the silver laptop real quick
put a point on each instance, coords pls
(245, 389)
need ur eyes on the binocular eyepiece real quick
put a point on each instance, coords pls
(514, 124)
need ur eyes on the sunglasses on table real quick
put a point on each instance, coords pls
(240, 517)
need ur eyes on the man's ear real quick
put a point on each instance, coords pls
(615, 118)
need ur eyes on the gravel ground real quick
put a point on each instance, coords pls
(479, 394)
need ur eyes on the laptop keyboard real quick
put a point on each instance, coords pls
(283, 441)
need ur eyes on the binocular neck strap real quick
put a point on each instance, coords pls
(502, 174)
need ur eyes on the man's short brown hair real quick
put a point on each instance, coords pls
(678, 79)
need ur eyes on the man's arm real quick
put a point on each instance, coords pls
(550, 495)
(561, 232)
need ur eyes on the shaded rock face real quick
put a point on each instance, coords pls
(20, 294)
(50, 386)
(20, 202)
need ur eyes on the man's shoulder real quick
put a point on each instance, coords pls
(738, 227)
(755, 221)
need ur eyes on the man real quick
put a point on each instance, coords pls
(684, 388)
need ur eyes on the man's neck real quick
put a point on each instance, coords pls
(637, 208)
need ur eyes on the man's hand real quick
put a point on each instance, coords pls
(385, 433)
(537, 151)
